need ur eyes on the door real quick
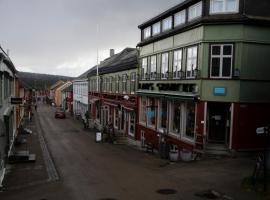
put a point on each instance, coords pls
(219, 122)
(123, 121)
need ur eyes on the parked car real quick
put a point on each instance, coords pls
(60, 113)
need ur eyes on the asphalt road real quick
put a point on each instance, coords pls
(82, 169)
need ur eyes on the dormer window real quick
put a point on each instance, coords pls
(156, 28)
(147, 32)
(180, 18)
(224, 6)
(195, 11)
(167, 24)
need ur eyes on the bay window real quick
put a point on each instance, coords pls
(224, 6)
(146, 32)
(195, 11)
(221, 61)
(164, 65)
(156, 28)
(153, 67)
(144, 68)
(167, 24)
(192, 54)
(180, 18)
(177, 64)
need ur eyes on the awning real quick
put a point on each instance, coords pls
(176, 96)
(110, 104)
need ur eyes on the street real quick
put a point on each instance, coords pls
(78, 168)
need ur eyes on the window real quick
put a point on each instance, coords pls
(151, 113)
(144, 69)
(98, 110)
(224, 6)
(131, 128)
(6, 86)
(167, 24)
(143, 107)
(195, 11)
(156, 28)
(133, 83)
(153, 73)
(221, 61)
(116, 118)
(192, 61)
(110, 84)
(117, 83)
(177, 64)
(180, 18)
(147, 32)
(190, 120)
(124, 83)
(175, 127)
(164, 65)
(162, 115)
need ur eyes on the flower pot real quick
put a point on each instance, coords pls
(173, 155)
(186, 155)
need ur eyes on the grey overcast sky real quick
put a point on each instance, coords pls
(60, 36)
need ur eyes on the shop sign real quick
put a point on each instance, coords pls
(219, 91)
(15, 100)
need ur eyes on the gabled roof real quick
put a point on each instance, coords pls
(64, 85)
(57, 84)
(69, 88)
(126, 59)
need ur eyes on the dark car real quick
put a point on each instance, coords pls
(60, 113)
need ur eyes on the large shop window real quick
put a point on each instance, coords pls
(224, 6)
(177, 64)
(133, 83)
(153, 74)
(221, 61)
(131, 127)
(190, 120)
(192, 55)
(143, 110)
(176, 117)
(151, 113)
(182, 121)
(162, 115)
(144, 69)
(164, 65)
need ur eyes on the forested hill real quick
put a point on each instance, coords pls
(40, 81)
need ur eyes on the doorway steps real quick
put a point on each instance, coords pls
(217, 150)
(121, 140)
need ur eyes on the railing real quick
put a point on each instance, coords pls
(179, 75)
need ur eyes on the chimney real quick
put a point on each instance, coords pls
(111, 52)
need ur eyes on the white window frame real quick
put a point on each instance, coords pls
(192, 62)
(221, 56)
(167, 24)
(224, 7)
(144, 68)
(117, 80)
(111, 84)
(177, 63)
(164, 70)
(153, 67)
(195, 11)
(156, 28)
(182, 16)
(124, 83)
(147, 32)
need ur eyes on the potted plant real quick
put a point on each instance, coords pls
(174, 153)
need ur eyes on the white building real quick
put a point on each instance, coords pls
(7, 111)
(80, 97)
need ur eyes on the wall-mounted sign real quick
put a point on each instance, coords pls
(16, 100)
(219, 91)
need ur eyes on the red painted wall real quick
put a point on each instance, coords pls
(248, 117)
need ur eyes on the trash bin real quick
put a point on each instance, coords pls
(98, 137)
